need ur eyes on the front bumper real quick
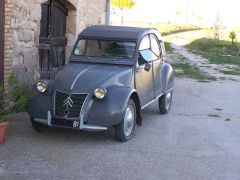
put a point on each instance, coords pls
(74, 124)
(94, 115)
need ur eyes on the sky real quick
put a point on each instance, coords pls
(202, 12)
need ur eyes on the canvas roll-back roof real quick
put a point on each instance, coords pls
(113, 32)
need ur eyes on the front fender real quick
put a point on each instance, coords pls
(38, 106)
(110, 110)
(167, 78)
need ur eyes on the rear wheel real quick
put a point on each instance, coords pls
(165, 102)
(124, 130)
(38, 126)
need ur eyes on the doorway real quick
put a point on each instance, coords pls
(52, 40)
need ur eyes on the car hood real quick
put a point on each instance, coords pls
(85, 77)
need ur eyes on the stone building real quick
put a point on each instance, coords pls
(37, 35)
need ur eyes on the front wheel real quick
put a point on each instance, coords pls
(165, 102)
(38, 127)
(124, 130)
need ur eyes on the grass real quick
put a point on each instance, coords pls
(168, 48)
(231, 71)
(167, 29)
(164, 28)
(213, 115)
(217, 52)
(214, 46)
(190, 71)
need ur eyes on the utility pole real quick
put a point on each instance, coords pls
(107, 18)
(187, 6)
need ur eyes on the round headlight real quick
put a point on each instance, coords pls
(42, 86)
(100, 93)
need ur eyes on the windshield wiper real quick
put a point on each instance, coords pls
(108, 56)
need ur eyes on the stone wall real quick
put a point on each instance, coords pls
(22, 31)
(25, 25)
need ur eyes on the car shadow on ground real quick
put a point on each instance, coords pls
(20, 128)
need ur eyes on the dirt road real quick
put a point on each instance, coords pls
(181, 39)
(199, 139)
(188, 143)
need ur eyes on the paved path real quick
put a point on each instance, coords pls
(185, 144)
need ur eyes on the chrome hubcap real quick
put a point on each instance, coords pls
(168, 100)
(129, 120)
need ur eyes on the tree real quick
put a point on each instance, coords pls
(123, 4)
(217, 27)
(232, 36)
(178, 12)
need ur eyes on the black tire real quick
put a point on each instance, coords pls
(119, 129)
(38, 126)
(165, 103)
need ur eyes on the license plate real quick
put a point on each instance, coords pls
(66, 123)
(76, 124)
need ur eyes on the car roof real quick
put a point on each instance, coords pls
(114, 32)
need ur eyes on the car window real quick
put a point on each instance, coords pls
(146, 54)
(145, 43)
(107, 49)
(141, 60)
(154, 46)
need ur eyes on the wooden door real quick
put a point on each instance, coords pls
(52, 37)
(2, 9)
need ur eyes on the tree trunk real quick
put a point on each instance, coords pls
(121, 16)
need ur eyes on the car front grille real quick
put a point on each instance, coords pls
(68, 105)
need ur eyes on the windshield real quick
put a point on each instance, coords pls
(106, 49)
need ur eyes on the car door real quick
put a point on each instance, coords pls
(157, 65)
(144, 81)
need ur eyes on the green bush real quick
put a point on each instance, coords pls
(2, 117)
(1, 98)
(19, 95)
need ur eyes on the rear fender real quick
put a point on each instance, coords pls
(167, 78)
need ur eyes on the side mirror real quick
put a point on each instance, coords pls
(147, 66)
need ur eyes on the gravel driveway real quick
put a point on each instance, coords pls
(191, 142)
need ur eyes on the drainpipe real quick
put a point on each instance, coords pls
(107, 18)
(2, 30)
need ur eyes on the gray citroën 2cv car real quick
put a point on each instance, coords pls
(113, 73)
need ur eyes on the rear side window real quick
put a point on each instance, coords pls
(146, 52)
(145, 43)
(154, 46)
